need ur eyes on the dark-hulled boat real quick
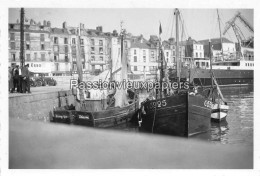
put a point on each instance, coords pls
(115, 109)
(102, 118)
(183, 113)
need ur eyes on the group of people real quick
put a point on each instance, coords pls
(19, 79)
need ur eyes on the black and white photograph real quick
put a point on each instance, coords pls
(132, 88)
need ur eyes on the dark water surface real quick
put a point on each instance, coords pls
(238, 127)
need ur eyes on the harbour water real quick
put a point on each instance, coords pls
(238, 127)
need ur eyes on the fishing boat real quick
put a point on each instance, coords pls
(183, 112)
(94, 109)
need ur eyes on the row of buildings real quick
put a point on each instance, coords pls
(53, 51)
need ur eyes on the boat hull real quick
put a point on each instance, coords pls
(219, 112)
(178, 115)
(223, 77)
(102, 119)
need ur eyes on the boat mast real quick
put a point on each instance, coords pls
(177, 47)
(79, 62)
(211, 73)
(161, 74)
(22, 38)
(220, 33)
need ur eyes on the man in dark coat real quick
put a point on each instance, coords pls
(26, 79)
(16, 79)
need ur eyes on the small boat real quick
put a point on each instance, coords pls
(93, 108)
(219, 107)
(219, 112)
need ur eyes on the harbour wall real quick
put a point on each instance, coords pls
(38, 106)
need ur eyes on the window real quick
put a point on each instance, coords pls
(92, 42)
(57, 66)
(92, 58)
(202, 63)
(74, 67)
(65, 40)
(100, 42)
(100, 50)
(144, 52)
(66, 58)
(134, 51)
(167, 54)
(27, 37)
(196, 55)
(56, 41)
(12, 45)
(207, 64)
(135, 68)
(42, 38)
(27, 46)
(92, 50)
(56, 58)
(13, 57)
(144, 57)
(73, 41)
(12, 36)
(42, 47)
(66, 49)
(83, 57)
(43, 57)
(135, 58)
(28, 57)
(82, 41)
(56, 48)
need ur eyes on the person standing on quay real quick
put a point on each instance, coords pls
(16, 79)
(10, 79)
(26, 79)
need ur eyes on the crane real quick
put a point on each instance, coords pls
(239, 35)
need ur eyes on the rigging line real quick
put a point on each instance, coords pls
(155, 104)
(169, 22)
(185, 27)
(172, 24)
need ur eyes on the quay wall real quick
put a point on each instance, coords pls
(38, 106)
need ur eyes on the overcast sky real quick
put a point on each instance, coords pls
(199, 23)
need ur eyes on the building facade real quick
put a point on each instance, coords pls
(37, 46)
(228, 48)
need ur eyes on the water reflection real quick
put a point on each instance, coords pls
(219, 131)
(238, 126)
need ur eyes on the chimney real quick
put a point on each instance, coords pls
(64, 25)
(115, 34)
(48, 23)
(81, 26)
(99, 29)
(44, 23)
